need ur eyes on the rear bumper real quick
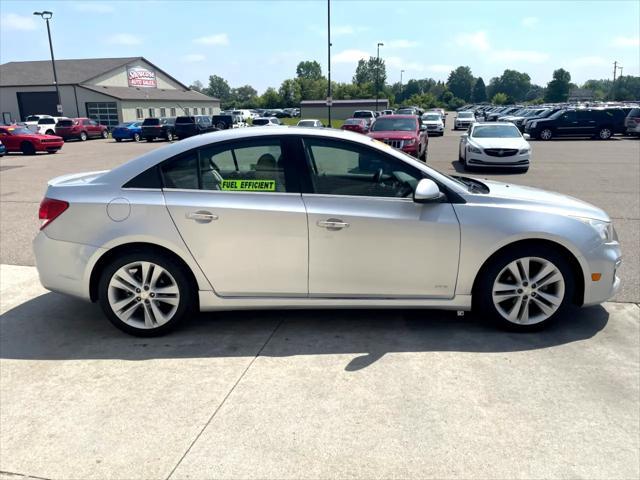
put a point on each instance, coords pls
(633, 128)
(64, 266)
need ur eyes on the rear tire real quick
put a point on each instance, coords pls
(145, 307)
(27, 148)
(525, 289)
(50, 132)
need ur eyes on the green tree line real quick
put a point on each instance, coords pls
(461, 87)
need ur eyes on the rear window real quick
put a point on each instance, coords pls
(635, 112)
(64, 123)
(185, 120)
(352, 121)
(168, 121)
(46, 121)
(363, 114)
(150, 122)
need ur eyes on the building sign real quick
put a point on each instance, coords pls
(141, 77)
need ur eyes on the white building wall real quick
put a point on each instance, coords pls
(118, 78)
(130, 114)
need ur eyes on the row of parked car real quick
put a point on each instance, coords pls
(545, 122)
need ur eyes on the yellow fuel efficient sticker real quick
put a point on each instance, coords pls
(250, 185)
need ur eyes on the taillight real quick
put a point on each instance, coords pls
(50, 209)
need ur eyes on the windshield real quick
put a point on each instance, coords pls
(64, 123)
(185, 120)
(556, 115)
(431, 116)
(495, 131)
(362, 115)
(394, 125)
(406, 111)
(125, 125)
(32, 118)
(465, 114)
(306, 123)
(20, 131)
(151, 121)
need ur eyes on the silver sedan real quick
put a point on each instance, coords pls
(314, 218)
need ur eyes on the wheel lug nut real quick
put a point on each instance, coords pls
(533, 294)
(525, 297)
(520, 290)
(137, 290)
(146, 301)
(525, 284)
(153, 295)
(146, 287)
(534, 285)
(137, 299)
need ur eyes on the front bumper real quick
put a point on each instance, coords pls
(484, 160)
(605, 260)
(64, 266)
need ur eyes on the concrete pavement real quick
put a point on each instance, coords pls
(315, 394)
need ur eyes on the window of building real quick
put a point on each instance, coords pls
(105, 113)
(173, 111)
(139, 113)
(163, 112)
(152, 112)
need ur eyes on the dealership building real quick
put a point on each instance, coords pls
(109, 90)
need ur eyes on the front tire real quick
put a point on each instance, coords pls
(145, 294)
(546, 134)
(27, 148)
(525, 289)
(169, 137)
(83, 136)
(605, 133)
(105, 134)
(136, 137)
(118, 139)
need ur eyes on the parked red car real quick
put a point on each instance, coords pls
(403, 132)
(21, 139)
(81, 128)
(359, 125)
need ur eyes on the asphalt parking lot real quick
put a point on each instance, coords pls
(320, 394)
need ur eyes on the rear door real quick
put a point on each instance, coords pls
(587, 121)
(239, 209)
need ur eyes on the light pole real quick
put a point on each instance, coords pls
(401, 72)
(380, 44)
(329, 99)
(46, 16)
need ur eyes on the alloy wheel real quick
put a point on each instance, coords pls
(528, 290)
(605, 134)
(143, 295)
(546, 134)
(136, 137)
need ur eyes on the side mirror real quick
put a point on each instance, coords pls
(465, 135)
(427, 192)
(423, 128)
(526, 136)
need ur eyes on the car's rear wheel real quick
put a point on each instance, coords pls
(136, 137)
(525, 289)
(546, 134)
(605, 133)
(50, 132)
(27, 148)
(145, 294)
(83, 136)
(104, 134)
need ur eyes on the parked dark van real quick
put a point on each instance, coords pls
(224, 122)
(164, 128)
(601, 123)
(189, 126)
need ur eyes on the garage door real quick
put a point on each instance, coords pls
(34, 103)
(104, 112)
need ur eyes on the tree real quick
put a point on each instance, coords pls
(626, 88)
(290, 93)
(367, 69)
(600, 88)
(309, 69)
(219, 88)
(499, 99)
(197, 86)
(536, 92)
(512, 83)
(245, 96)
(270, 98)
(460, 83)
(479, 91)
(558, 88)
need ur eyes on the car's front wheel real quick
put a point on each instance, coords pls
(605, 133)
(136, 137)
(525, 289)
(145, 293)
(104, 134)
(83, 136)
(546, 134)
(169, 137)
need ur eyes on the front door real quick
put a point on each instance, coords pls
(367, 238)
(241, 215)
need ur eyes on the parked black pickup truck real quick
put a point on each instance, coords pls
(193, 125)
(153, 128)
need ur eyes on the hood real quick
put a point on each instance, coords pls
(517, 142)
(532, 197)
(395, 135)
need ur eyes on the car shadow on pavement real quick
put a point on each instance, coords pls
(56, 327)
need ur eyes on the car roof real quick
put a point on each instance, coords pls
(400, 115)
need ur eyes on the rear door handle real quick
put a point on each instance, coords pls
(332, 224)
(202, 216)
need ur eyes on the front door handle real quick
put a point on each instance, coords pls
(202, 216)
(332, 224)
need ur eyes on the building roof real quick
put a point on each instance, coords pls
(69, 71)
(343, 103)
(141, 93)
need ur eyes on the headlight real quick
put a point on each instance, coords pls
(523, 151)
(533, 124)
(473, 149)
(605, 229)
(409, 142)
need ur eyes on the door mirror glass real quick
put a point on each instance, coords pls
(526, 136)
(427, 191)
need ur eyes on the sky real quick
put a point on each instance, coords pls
(260, 42)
